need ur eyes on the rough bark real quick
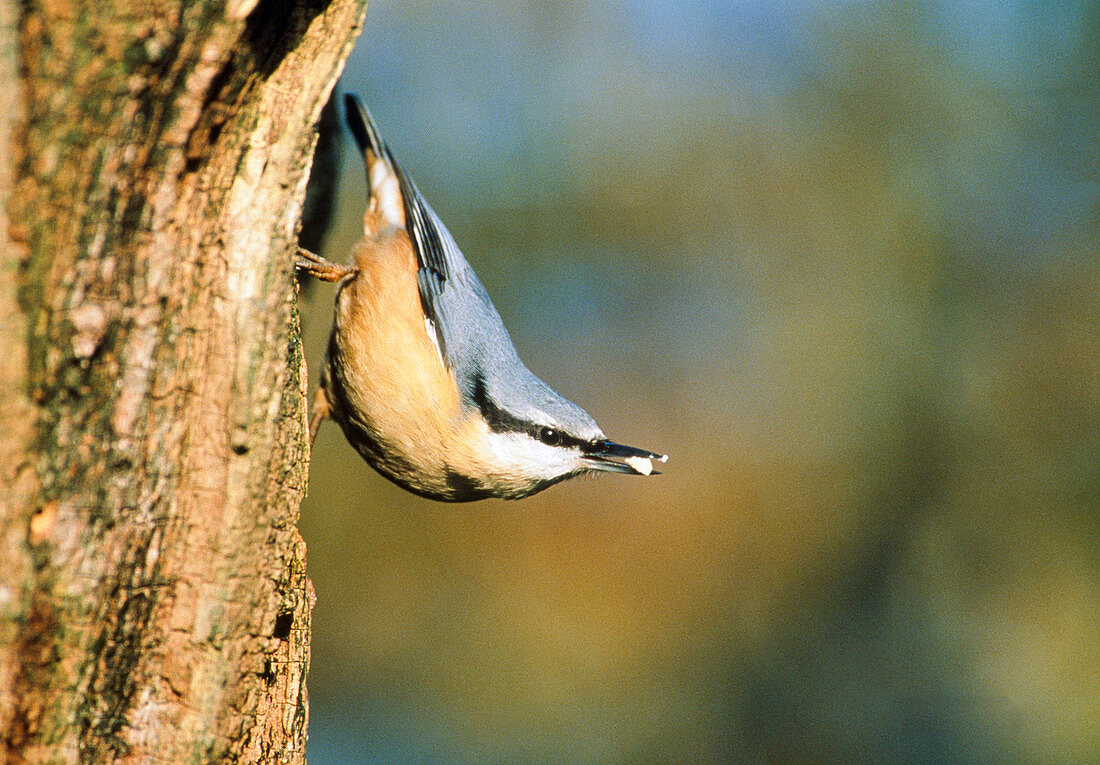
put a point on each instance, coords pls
(153, 600)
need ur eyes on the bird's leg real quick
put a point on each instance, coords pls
(319, 268)
(318, 413)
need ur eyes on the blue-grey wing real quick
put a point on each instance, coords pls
(471, 335)
(453, 299)
(470, 332)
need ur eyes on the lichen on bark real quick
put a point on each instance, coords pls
(154, 414)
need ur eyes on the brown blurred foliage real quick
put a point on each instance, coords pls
(849, 281)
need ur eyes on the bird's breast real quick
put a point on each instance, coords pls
(390, 390)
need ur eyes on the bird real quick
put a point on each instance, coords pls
(420, 372)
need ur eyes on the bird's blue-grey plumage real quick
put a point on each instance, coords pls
(471, 335)
(471, 422)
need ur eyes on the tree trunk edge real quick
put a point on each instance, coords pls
(17, 480)
(105, 607)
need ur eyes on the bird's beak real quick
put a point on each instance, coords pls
(610, 457)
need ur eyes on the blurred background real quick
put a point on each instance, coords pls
(840, 260)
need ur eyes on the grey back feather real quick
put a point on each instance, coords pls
(472, 337)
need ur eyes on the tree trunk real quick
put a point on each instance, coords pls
(153, 157)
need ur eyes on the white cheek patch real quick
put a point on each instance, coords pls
(519, 455)
(641, 465)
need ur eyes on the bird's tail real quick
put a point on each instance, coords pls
(386, 207)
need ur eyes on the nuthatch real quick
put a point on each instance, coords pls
(420, 371)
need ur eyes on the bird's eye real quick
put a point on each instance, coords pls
(549, 436)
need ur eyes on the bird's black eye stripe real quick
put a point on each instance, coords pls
(552, 436)
(549, 436)
(502, 421)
